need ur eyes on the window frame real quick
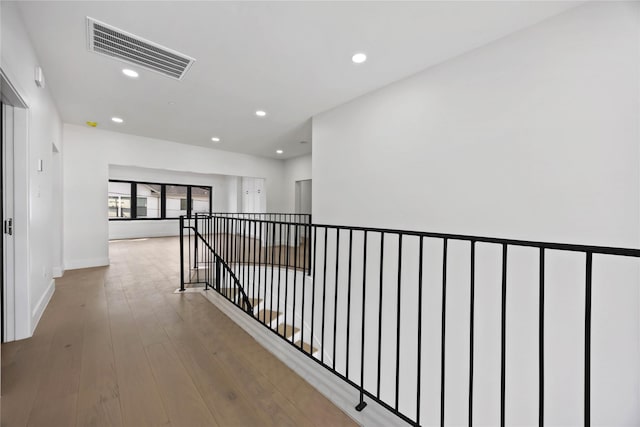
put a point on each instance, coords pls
(163, 199)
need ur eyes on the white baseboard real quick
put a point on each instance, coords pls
(341, 394)
(143, 235)
(57, 272)
(86, 263)
(42, 304)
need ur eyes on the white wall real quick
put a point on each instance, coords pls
(37, 219)
(234, 196)
(296, 169)
(223, 195)
(534, 136)
(88, 154)
(58, 225)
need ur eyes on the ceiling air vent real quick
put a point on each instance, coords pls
(111, 41)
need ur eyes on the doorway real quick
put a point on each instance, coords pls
(303, 196)
(13, 118)
(2, 216)
(253, 195)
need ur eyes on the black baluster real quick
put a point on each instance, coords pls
(362, 404)
(443, 330)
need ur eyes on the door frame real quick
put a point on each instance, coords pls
(298, 195)
(17, 308)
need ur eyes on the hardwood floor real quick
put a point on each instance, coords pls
(116, 347)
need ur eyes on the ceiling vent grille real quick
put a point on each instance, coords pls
(111, 41)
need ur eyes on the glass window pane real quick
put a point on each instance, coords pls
(200, 199)
(148, 200)
(119, 201)
(176, 201)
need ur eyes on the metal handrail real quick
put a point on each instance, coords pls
(219, 262)
(259, 235)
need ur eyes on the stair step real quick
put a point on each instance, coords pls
(306, 347)
(229, 292)
(254, 303)
(287, 331)
(268, 315)
(195, 272)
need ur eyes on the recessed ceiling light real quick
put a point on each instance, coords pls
(215, 139)
(171, 103)
(130, 73)
(279, 151)
(359, 58)
(260, 113)
(117, 120)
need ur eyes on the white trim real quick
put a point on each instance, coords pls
(188, 291)
(141, 234)
(57, 272)
(18, 300)
(8, 240)
(10, 94)
(86, 263)
(42, 304)
(341, 394)
(21, 229)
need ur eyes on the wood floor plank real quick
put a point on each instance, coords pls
(99, 394)
(116, 347)
(224, 397)
(141, 404)
(21, 378)
(180, 395)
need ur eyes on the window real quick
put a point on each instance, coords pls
(141, 207)
(149, 198)
(176, 196)
(119, 200)
(200, 197)
(129, 200)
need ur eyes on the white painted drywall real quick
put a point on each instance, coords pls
(88, 154)
(234, 197)
(296, 169)
(531, 136)
(535, 136)
(35, 206)
(56, 211)
(223, 190)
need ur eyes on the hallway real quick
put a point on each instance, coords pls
(116, 347)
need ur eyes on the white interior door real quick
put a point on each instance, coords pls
(253, 195)
(260, 203)
(247, 195)
(7, 223)
(303, 196)
(17, 319)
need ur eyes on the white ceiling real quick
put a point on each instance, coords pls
(290, 59)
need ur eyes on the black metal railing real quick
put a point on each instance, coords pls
(206, 266)
(360, 302)
(294, 218)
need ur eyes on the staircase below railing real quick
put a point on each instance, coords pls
(234, 261)
(381, 309)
